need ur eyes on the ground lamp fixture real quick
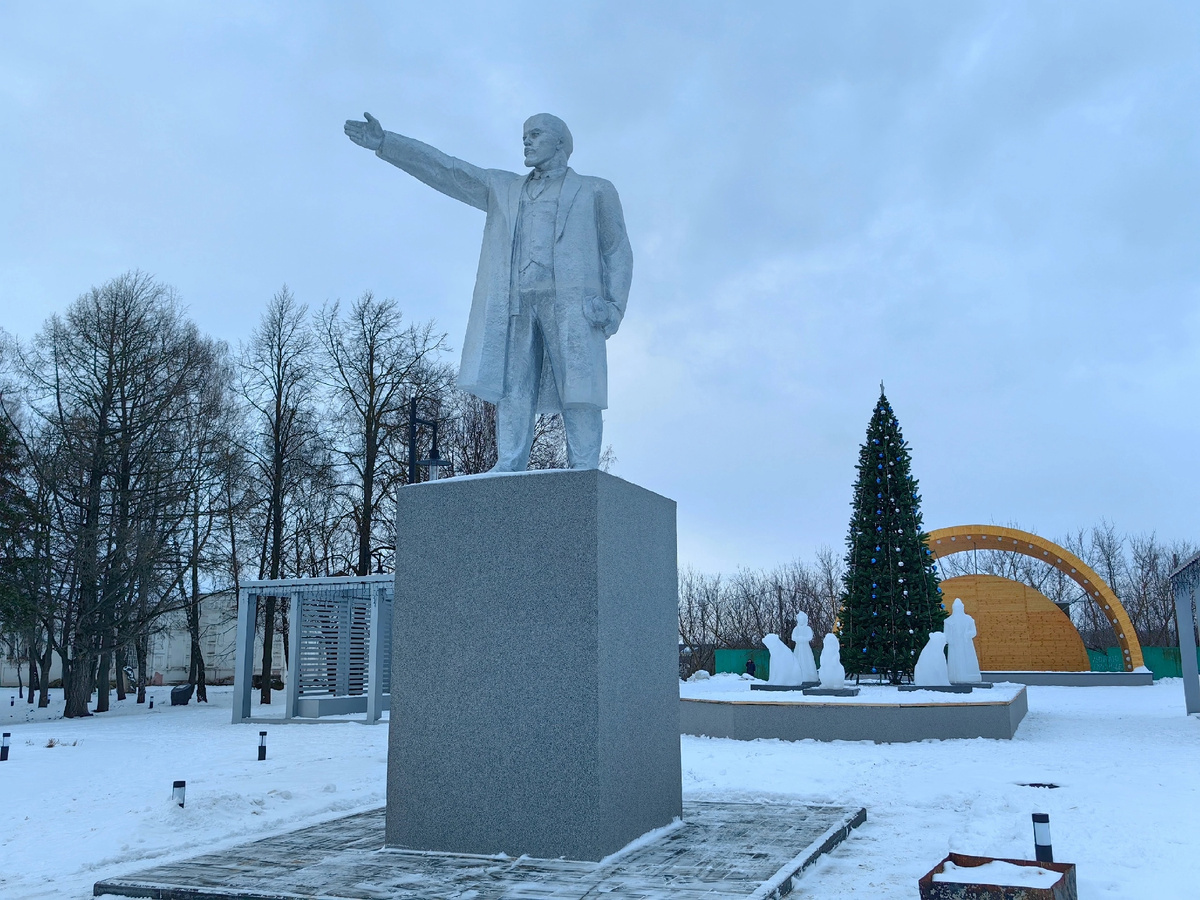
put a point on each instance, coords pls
(1043, 851)
(262, 746)
(4, 745)
(178, 789)
(434, 462)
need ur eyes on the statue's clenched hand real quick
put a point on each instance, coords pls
(367, 134)
(602, 315)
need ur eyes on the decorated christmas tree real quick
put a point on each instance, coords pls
(891, 599)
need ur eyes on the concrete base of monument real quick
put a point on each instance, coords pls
(1075, 679)
(725, 708)
(830, 692)
(756, 686)
(719, 850)
(547, 724)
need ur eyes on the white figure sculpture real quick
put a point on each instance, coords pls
(784, 668)
(833, 673)
(553, 280)
(802, 636)
(963, 664)
(931, 664)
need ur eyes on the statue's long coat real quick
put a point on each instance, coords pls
(592, 258)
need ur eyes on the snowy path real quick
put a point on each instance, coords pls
(1128, 813)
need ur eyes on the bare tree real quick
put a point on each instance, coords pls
(110, 386)
(699, 619)
(277, 380)
(718, 612)
(373, 367)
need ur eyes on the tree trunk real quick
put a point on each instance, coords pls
(44, 677)
(141, 649)
(201, 689)
(102, 681)
(196, 671)
(120, 655)
(268, 641)
(33, 676)
(77, 686)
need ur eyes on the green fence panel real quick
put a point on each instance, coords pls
(735, 661)
(1164, 662)
(1110, 660)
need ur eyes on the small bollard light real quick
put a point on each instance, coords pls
(262, 746)
(178, 789)
(4, 745)
(12, 701)
(1043, 851)
(152, 703)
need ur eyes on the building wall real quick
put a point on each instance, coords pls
(170, 648)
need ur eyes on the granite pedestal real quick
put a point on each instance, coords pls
(535, 698)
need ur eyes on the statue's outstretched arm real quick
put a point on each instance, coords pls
(451, 176)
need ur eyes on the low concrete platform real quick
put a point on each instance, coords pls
(883, 723)
(755, 686)
(719, 851)
(940, 688)
(1075, 679)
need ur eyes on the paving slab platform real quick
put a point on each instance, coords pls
(1075, 679)
(721, 850)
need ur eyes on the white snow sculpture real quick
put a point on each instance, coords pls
(931, 664)
(963, 664)
(784, 668)
(833, 673)
(802, 636)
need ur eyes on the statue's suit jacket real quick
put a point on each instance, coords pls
(592, 258)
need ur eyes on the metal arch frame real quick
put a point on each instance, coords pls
(289, 590)
(1184, 581)
(961, 538)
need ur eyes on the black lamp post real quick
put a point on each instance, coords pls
(262, 746)
(434, 462)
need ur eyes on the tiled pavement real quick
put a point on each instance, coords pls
(722, 850)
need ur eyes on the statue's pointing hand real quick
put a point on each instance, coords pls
(367, 134)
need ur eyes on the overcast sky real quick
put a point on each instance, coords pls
(993, 208)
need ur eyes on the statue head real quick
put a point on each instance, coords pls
(958, 606)
(547, 141)
(801, 633)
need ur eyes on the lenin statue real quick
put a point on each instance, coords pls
(553, 280)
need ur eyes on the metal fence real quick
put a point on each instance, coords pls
(339, 647)
(1164, 662)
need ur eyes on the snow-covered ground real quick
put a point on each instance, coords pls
(96, 803)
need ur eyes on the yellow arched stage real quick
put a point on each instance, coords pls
(1020, 629)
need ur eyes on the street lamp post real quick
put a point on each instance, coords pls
(434, 462)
